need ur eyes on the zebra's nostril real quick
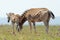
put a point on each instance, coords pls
(8, 20)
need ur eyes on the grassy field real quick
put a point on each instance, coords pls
(6, 33)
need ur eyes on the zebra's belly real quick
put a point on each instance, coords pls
(36, 20)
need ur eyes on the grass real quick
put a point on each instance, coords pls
(6, 33)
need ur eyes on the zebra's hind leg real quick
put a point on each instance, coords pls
(47, 26)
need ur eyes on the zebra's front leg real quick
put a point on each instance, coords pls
(30, 26)
(13, 28)
(34, 27)
(17, 28)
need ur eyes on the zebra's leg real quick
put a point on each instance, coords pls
(17, 28)
(20, 26)
(34, 27)
(13, 28)
(30, 26)
(47, 25)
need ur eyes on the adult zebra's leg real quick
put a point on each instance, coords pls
(30, 26)
(34, 27)
(20, 27)
(47, 25)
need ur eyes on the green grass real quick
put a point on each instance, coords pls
(25, 34)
